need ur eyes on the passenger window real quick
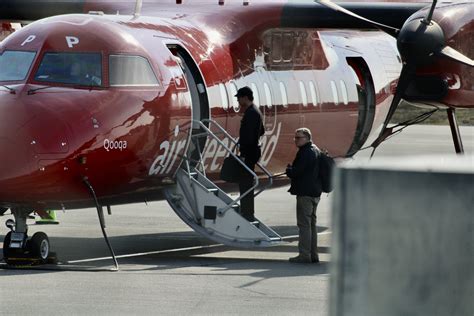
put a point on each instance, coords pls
(314, 96)
(256, 96)
(233, 92)
(71, 68)
(334, 93)
(304, 97)
(345, 97)
(127, 70)
(268, 95)
(224, 98)
(284, 96)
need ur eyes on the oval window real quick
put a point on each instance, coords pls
(345, 97)
(312, 91)
(233, 91)
(224, 98)
(268, 95)
(334, 93)
(256, 97)
(284, 96)
(304, 97)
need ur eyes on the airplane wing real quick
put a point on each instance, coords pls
(309, 14)
(314, 15)
(24, 10)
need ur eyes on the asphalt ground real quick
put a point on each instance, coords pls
(165, 268)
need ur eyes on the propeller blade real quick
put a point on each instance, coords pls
(385, 28)
(403, 82)
(428, 18)
(453, 54)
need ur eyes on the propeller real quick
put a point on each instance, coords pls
(418, 42)
(387, 29)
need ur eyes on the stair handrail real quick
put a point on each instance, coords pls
(252, 173)
(195, 209)
(269, 175)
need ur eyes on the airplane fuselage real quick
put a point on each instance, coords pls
(126, 123)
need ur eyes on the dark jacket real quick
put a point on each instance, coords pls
(251, 128)
(304, 172)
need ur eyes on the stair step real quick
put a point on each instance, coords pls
(268, 231)
(213, 190)
(177, 198)
(197, 201)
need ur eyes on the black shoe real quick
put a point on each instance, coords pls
(315, 260)
(300, 259)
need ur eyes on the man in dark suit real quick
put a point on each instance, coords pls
(251, 128)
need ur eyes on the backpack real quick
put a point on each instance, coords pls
(326, 167)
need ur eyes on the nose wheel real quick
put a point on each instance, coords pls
(18, 250)
(39, 246)
(7, 251)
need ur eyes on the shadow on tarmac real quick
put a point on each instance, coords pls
(169, 251)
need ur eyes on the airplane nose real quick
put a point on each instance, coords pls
(14, 155)
(14, 159)
(29, 132)
(15, 166)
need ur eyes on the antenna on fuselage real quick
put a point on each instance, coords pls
(138, 8)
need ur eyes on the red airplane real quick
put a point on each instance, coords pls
(126, 102)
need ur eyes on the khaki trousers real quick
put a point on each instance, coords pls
(306, 221)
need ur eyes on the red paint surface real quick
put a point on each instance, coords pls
(52, 139)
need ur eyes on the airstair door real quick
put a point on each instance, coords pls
(211, 212)
(198, 93)
(201, 205)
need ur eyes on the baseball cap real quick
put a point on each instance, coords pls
(244, 92)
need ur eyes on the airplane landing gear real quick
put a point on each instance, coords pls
(18, 250)
(457, 141)
(39, 246)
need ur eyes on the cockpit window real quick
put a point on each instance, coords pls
(14, 65)
(71, 68)
(130, 71)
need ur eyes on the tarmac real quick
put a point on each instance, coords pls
(165, 268)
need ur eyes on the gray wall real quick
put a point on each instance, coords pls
(403, 239)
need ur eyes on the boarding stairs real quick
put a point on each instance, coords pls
(206, 208)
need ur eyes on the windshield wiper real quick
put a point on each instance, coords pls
(32, 91)
(91, 86)
(12, 91)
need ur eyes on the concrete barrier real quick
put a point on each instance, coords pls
(403, 238)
